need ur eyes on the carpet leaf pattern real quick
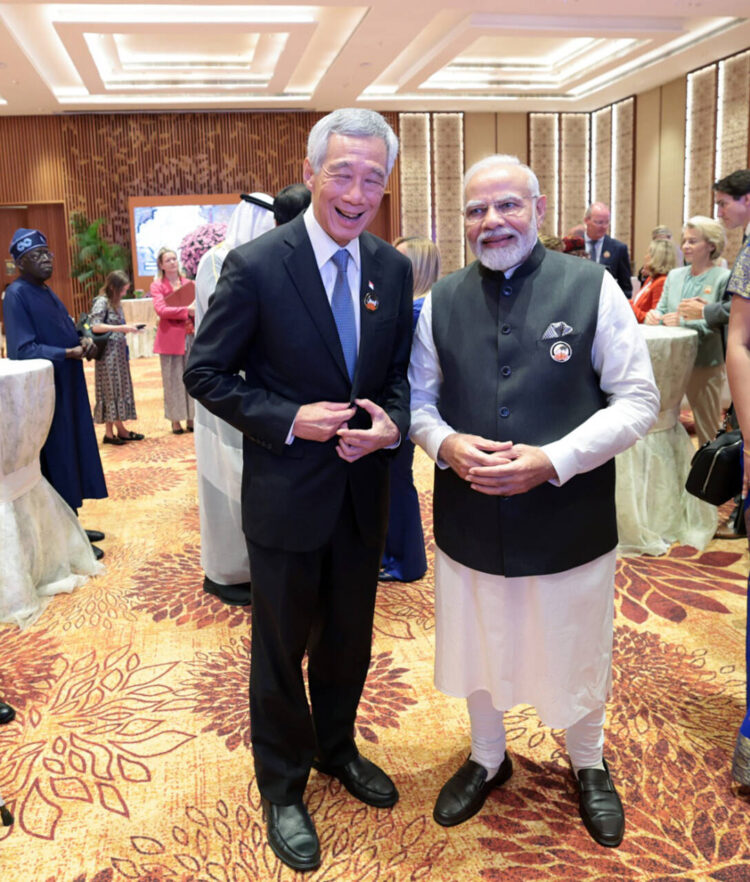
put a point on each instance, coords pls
(130, 754)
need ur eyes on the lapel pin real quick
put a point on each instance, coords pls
(707, 289)
(606, 254)
(371, 298)
(560, 351)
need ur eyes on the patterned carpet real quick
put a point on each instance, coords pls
(129, 758)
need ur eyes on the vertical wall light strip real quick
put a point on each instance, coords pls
(688, 148)
(448, 157)
(556, 173)
(614, 141)
(720, 91)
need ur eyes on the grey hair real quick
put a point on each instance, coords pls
(355, 122)
(594, 205)
(502, 159)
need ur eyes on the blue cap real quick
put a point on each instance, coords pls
(25, 240)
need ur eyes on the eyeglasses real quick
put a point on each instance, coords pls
(512, 206)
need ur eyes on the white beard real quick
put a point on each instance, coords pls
(502, 259)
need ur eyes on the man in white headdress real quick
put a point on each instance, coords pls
(218, 446)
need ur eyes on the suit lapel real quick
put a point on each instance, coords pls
(371, 291)
(305, 276)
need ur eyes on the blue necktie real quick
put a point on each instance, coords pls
(343, 311)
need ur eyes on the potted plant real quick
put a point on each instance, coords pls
(94, 258)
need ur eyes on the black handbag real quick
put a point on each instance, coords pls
(716, 469)
(100, 340)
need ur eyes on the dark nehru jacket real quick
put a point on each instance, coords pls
(480, 319)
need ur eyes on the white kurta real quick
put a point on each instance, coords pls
(539, 640)
(218, 446)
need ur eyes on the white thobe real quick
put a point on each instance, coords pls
(218, 446)
(539, 640)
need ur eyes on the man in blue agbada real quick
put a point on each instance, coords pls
(37, 325)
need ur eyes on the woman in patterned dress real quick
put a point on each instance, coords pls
(114, 386)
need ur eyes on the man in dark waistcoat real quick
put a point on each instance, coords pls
(37, 325)
(528, 375)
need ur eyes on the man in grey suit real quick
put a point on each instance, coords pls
(317, 314)
(602, 248)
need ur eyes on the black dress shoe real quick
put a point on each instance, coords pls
(600, 806)
(95, 535)
(7, 714)
(233, 595)
(113, 440)
(98, 553)
(464, 794)
(363, 779)
(291, 835)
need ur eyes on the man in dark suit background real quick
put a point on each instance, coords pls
(317, 314)
(610, 253)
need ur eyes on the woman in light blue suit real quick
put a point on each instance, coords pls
(703, 240)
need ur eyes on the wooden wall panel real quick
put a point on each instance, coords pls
(93, 162)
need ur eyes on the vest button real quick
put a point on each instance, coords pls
(504, 412)
(507, 290)
(505, 370)
(505, 329)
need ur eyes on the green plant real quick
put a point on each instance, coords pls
(94, 257)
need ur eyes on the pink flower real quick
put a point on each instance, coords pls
(196, 244)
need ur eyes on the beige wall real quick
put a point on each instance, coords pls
(659, 162)
(659, 155)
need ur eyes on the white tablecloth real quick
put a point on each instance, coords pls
(653, 508)
(45, 550)
(139, 310)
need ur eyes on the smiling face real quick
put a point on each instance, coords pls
(501, 216)
(733, 212)
(347, 191)
(37, 264)
(696, 248)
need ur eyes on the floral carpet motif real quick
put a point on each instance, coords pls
(129, 758)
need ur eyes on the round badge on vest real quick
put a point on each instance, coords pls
(560, 351)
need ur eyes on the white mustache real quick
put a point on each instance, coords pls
(494, 237)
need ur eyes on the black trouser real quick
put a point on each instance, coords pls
(321, 601)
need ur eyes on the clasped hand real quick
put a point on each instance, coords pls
(496, 468)
(322, 420)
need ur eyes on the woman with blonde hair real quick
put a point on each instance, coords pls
(703, 240)
(174, 337)
(404, 558)
(114, 387)
(661, 257)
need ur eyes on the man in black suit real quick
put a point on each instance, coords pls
(610, 253)
(317, 314)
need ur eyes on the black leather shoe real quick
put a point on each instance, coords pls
(600, 806)
(95, 535)
(7, 714)
(464, 794)
(233, 595)
(363, 779)
(291, 835)
(98, 553)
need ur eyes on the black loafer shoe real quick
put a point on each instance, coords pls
(98, 553)
(233, 595)
(600, 806)
(363, 779)
(113, 440)
(291, 835)
(7, 714)
(464, 794)
(95, 535)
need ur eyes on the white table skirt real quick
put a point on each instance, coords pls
(45, 550)
(136, 311)
(653, 508)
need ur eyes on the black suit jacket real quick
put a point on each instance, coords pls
(270, 318)
(614, 256)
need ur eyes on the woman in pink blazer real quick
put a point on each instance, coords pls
(174, 337)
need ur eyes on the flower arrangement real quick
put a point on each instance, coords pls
(194, 245)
